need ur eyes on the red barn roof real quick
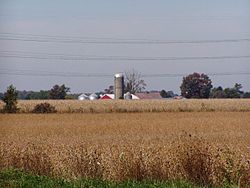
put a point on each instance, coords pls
(107, 96)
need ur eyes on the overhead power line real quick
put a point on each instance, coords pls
(67, 37)
(181, 75)
(93, 40)
(101, 75)
(112, 58)
(48, 73)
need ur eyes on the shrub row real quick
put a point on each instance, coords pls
(44, 108)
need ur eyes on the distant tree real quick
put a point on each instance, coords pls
(33, 95)
(22, 94)
(246, 95)
(218, 92)
(58, 92)
(1, 96)
(10, 100)
(234, 92)
(231, 93)
(42, 94)
(72, 96)
(134, 82)
(167, 94)
(196, 86)
(238, 88)
(109, 90)
(163, 93)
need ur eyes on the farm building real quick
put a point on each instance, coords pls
(108, 96)
(112, 96)
(93, 96)
(128, 96)
(149, 95)
(134, 97)
(83, 97)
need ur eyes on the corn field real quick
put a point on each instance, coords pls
(123, 106)
(209, 148)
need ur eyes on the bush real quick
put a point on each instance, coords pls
(44, 108)
(10, 100)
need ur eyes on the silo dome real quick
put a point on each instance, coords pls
(118, 75)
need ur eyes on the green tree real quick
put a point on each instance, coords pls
(238, 88)
(109, 90)
(167, 94)
(58, 92)
(246, 95)
(10, 100)
(196, 86)
(33, 95)
(218, 93)
(163, 93)
(231, 93)
(234, 92)
(42, 94)
(1, 96)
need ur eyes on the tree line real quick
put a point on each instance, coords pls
(56, 92)
(200, 86)
(194, 85)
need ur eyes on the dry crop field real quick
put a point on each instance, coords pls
(201, 146)
(107, 106)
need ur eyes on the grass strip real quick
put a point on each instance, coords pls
(18, 179)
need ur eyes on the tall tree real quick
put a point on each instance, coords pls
(58, 92)
(238, 88)
(134, 82)
(10, 100)
(196, 86)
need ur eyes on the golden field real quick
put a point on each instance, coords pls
(107, 106)
(211, 148)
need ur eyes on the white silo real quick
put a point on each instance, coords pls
(119, 86)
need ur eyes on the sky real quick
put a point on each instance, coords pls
(82, 43)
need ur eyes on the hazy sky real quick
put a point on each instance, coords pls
(113, 20)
